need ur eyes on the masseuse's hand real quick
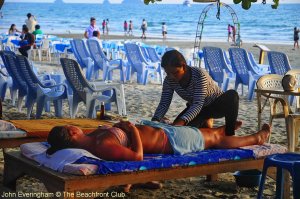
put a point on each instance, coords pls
(125, 125)
(179, 122)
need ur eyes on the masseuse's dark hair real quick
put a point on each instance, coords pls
(59, 138)
(173, 58)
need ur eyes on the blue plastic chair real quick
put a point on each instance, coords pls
(261, 68)
(16, 84)
(138, 64)
(279, 62)
(153, 55)
(244, 73)
(83, 91)
(39, 93)
(83, 57)
(102, 63)
(287, 161)
(215, 63)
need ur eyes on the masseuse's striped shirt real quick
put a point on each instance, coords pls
(200, 92)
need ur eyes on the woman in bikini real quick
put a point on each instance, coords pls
(128, 142)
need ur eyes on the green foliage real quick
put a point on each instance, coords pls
(246, 4)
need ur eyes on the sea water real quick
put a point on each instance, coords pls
(259, 23)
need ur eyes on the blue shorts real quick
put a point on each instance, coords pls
(183, 139)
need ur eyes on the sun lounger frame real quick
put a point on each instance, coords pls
(16, 165)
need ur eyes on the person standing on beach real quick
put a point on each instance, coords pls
(164, 30)
(107, 26)
(103, 26)
(125, 25)
(296, 38)
(229, 30)
(130, 29)
(89, 30)
(144, 29)
(205, 100)
(31, 22)
(26, 42)
(233, 34)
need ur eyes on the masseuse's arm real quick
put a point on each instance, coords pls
(123, 153)
(165, 101)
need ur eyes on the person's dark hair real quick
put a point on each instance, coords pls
(173, 58)
(37, 26)
(95, 33)
(92, 19)
(295, 28)
(59, 138)
(11, 26)
(163, 23)
(25, 29)
(29, 15)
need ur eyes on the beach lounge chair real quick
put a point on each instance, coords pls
(139, 65)
(261, 68)
(102, 63)
(18, 85)
(216, 64)
(90, 92)
(83, 57)
(171, 167)
(279, 62)
(38, 92)
(242, 67)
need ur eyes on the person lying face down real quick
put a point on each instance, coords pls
(128, 142)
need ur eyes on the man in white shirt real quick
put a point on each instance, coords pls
(31, 22)
(89, 31)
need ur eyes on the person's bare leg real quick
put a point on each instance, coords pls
(215, 138)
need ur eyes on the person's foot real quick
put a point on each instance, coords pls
(209, 123)
(238, 124)
(263, 134)
(126, 188)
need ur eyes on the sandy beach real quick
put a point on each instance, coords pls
(141, 102)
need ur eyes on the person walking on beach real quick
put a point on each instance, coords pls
(229, 30)
(130, 28)
(89, 30)
(107, 26)
(125, 26)
(144, 29)
(205, 100)
(26, 42)
(233, 33)
(296, 38)
(103, 26)
(31, 22)
(164, 30)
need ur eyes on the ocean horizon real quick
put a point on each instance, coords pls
(260, 23)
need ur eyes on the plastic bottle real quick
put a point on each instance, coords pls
(102, 111)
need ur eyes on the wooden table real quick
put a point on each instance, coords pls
(263, 49)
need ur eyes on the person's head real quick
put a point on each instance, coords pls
(37, 27)
(163, 23)
(62, 137)
(144, 20)
(96, 34)
(12, 27)
(25, 29)
(295, 28)
(174, 64)
(93, 21)
(29, 15)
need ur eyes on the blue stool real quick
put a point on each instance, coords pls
(288, 161)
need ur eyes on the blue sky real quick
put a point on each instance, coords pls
(118, 1)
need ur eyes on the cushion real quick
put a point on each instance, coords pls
(81, 162)
(8, 130)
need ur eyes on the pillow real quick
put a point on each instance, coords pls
(8, 130)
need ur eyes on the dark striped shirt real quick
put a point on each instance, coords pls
(200, 92)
